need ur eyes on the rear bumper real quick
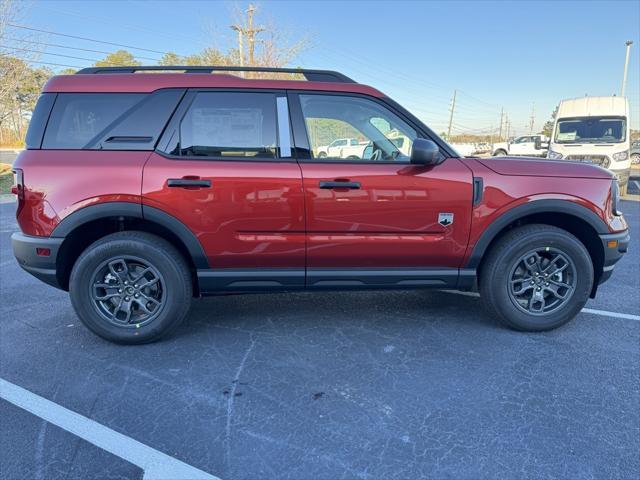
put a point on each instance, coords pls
(40, 266)
(612, 254)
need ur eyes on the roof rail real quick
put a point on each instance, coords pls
(310, 75)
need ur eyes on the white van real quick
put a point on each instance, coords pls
(595, 130)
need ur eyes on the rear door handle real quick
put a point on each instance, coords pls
(351, 185)
(188, 182)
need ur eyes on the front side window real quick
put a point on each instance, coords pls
(591, 130)
(374, 132)
(229, 124)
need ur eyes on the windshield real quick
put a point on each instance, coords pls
(591, 130)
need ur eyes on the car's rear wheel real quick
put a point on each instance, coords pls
(131, 287)
(500, 153)
(536, 277)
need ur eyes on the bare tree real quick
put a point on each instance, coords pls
(19, 84)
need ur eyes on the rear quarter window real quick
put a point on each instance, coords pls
(78, 118)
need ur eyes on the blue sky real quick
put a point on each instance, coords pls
(497, 54)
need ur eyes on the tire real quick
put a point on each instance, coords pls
(504, 263)
(322, 155)
(500, 153)
(103, 294)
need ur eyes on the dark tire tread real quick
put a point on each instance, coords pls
(132, 240)
(491, 279)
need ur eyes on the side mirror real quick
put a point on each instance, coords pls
(424, 152)
(537, 144)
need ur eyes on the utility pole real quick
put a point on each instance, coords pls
(250, 32)
(628, 43)
(501, 117)
(533, 118)
(453, 105)
(508, 127)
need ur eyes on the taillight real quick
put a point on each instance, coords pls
(18, 187)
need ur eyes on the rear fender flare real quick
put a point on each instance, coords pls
(134, 210)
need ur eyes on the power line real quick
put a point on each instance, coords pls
(73, 48)
(84, 38)
(53, 64)
(54, 54)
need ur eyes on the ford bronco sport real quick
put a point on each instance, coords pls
(138, 191)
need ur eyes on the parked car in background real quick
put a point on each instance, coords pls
(594, 130)
(341, 148)
(141, 190)
(635, 152)
(526, 145)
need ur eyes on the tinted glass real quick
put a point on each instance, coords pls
(143, 124)
(224, 124)
(374, 132)
(77, 118)
(39, 119)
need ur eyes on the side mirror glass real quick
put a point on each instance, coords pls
(424, 152)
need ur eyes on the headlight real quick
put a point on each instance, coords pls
(615, 197)
(554, 155)
(620, 156)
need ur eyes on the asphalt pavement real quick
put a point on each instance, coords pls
(416, 384)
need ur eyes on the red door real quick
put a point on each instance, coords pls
(370, 207)
(251, 215)
(389, 217)
(227, 173)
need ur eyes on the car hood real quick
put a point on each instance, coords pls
(537, 167)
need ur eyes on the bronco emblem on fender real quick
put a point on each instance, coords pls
(445, 219)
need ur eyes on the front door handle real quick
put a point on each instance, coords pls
(350, 185)
(188, 183)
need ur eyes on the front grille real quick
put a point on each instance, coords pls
(601, 160)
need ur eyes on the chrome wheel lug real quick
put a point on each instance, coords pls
(119, 290)
(136, 295)
(126, 299)
(135, 286)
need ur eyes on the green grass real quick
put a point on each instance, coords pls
(6, 181)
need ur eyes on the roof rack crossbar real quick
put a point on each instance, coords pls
(310, 75)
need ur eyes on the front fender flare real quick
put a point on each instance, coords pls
(550, 206)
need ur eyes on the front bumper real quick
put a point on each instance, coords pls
(615, 245)
(43, 267)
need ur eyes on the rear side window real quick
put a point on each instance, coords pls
(39, 120)
(229, 124)
(78, 118)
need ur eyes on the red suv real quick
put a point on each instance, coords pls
(138, 191)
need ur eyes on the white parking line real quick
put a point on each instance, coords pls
(156, 465)
(593, 311)
(606, 313)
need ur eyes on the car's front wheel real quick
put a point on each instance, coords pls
(131, 287)
(536, 277)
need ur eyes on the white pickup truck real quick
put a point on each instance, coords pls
(526, 145)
